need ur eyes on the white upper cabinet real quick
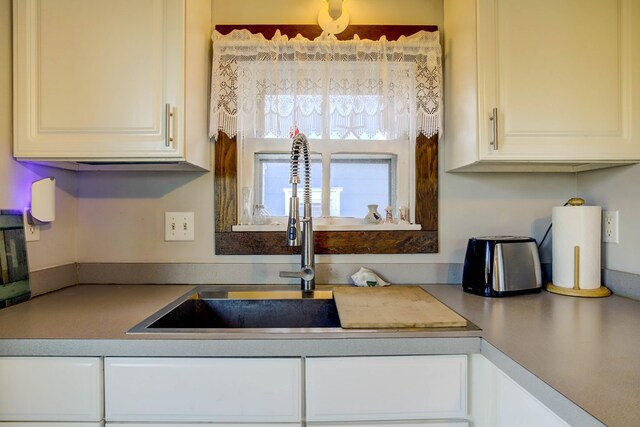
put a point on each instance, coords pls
(106, 81)
(542, 85)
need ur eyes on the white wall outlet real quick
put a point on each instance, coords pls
(179, 226)
(31, 232)
(610, 226)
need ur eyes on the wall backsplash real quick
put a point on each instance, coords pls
(622, 284)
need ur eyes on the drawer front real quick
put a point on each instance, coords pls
(202, 425)
(48, 424)
(386, 388)
(50, 389)
(202, 389)
(404, 424)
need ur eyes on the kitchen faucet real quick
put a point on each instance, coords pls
(307, 272)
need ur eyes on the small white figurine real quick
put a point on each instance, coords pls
(389, 217)
(373, 216)
(404, 215)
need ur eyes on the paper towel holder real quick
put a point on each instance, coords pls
(602, 291)
(576, 291)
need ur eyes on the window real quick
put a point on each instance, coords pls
(351, 144)
(272, 188)
(363, 180)
(346, 177)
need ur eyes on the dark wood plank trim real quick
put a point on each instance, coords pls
(225, 182)
(329, 242)
(370, 32)
(426, 154)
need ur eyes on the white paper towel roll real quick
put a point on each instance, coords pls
(576, 226)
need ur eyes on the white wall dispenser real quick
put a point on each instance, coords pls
(43, 201)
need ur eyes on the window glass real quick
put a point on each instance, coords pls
(356, 180)
(273, 189)
(363, 180)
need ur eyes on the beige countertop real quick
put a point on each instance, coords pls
(584, 349)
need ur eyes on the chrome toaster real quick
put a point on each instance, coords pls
(496, 266)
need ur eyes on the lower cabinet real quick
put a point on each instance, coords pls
(341, 391)
(368, 391)
(196, 390)
(372, 424)
(51, 391)
(499, 401)
(404, 424)
(49, 424)
(386, 388)
(198, 425)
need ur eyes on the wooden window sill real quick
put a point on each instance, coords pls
(329, 242)
(328, 227)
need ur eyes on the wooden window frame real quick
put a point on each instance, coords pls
(425, 240)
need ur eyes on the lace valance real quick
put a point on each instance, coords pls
(356, 89)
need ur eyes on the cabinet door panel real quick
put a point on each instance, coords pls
(560, 76)
(82, 52)
(49, 424)
(518, 407)
(197, 390)
(386, 388)
(563, 77)
(93, 77)
(201, 425)
(50, 389)
(499, 401)
(382, 424)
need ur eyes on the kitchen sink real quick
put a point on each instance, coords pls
(210, 310)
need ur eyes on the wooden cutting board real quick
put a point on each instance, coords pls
(393, 307)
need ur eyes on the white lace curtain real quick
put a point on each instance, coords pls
(356, 89)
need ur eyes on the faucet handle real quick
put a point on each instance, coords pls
(292, 232)
(293, 224)
(306, 273)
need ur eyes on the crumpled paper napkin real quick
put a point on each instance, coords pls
(366, 277)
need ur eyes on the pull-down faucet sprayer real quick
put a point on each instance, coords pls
(295, 237)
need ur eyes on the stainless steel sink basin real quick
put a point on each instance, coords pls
(211, 310)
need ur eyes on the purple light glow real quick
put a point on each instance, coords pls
(15, 184)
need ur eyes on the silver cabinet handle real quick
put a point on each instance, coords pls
(168, 125)
(493, 118)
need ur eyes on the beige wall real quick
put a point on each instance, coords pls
(617, 189)
(121, 214)
(118, 217)
(57, 245)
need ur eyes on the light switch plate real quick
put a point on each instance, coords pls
(179, 226)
